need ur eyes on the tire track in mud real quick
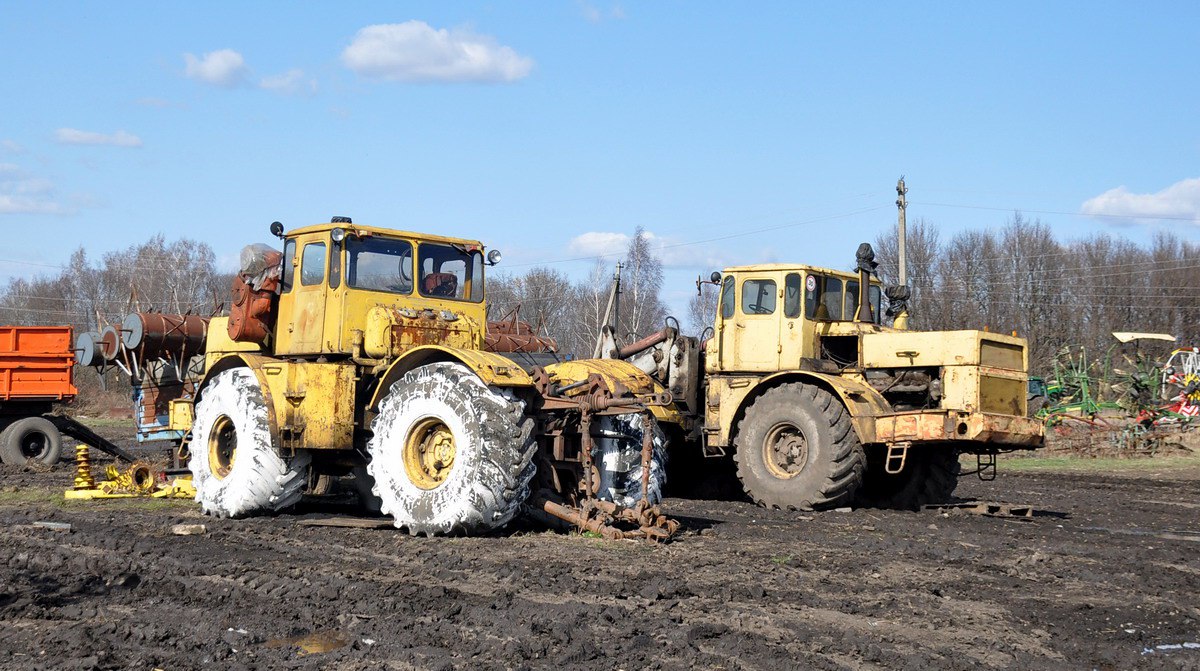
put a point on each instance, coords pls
(760, 590)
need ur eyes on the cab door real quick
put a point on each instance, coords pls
(756, 325)
(302, 308)
(793, 334)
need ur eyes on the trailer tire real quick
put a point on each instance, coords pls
(796, 449)
(236, 467)
(617, 455)
(929, 477)
(449, 454)
(31, 439)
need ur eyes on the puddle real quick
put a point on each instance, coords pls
(313, 642)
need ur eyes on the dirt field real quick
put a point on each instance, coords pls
(1108, 578)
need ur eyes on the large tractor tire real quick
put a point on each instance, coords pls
(617, 455)
(30, 439)
(450, 454)
(929, 477)
(236, 467)
(796, 449)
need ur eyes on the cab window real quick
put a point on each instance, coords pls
(379, 264)
(312, 265)
(823, 297)
(450, 271)
(727, 297)
(793, 289)
(758, 297)
(874, 295)
(289, 268)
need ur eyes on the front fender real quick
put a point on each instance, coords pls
(494, 369)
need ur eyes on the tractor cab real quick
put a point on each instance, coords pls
(774, 317)
(347, 289)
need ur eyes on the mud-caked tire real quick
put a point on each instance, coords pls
(795, 448)
(449, 454)
(236, 466)
(30, 439)
(929, 477)
(617, 454)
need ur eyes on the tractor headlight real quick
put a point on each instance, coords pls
(494, 257)
(338, 235)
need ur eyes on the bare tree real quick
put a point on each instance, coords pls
(702, 308)
(642, 309)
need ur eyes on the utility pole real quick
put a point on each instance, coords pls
(617, 304)
(901, 245)
(614, 306)
(901, 320)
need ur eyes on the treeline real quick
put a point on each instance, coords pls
(172, 277)
(574, 312)
(1054, 293)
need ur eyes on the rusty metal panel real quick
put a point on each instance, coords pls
(996, 354)
(314, 404)
(941, 425)
(1002, 395)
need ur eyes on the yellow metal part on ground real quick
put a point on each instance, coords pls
(136, 481)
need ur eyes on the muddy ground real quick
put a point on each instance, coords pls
(1108, 577)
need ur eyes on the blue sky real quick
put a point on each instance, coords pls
(566, 125)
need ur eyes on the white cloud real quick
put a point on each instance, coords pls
(414, 51)
(291, 82)
(118, 139)
(672, 253)
(21, 193)
(12, 147)
(598, 244)
(1181, 200)
(225, 68)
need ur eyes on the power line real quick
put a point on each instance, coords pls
(1106, 215)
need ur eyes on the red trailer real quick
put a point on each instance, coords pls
(36, 364)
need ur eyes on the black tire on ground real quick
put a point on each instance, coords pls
(31, 439)
(364, 486)
(449, 454)
(929, 477)
(617, 454)
(236, 467)
(796, 449)
(1036, 404)
(4, 424)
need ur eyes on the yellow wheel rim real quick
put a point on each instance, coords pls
(222, 447)
(429, 453)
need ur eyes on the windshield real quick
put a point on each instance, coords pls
(450, 271)
(379, 264)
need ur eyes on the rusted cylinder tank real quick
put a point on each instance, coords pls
(110, 343)
(155, 335)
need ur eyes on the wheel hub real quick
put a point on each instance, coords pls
(222, 447)
(429, 452)
(785, 451)
(34, 446)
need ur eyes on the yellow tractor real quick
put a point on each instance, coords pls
(823, 406)
(367, 350)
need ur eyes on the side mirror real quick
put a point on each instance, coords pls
(277, 229)
(494, 257)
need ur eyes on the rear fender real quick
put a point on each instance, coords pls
(862, 402)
